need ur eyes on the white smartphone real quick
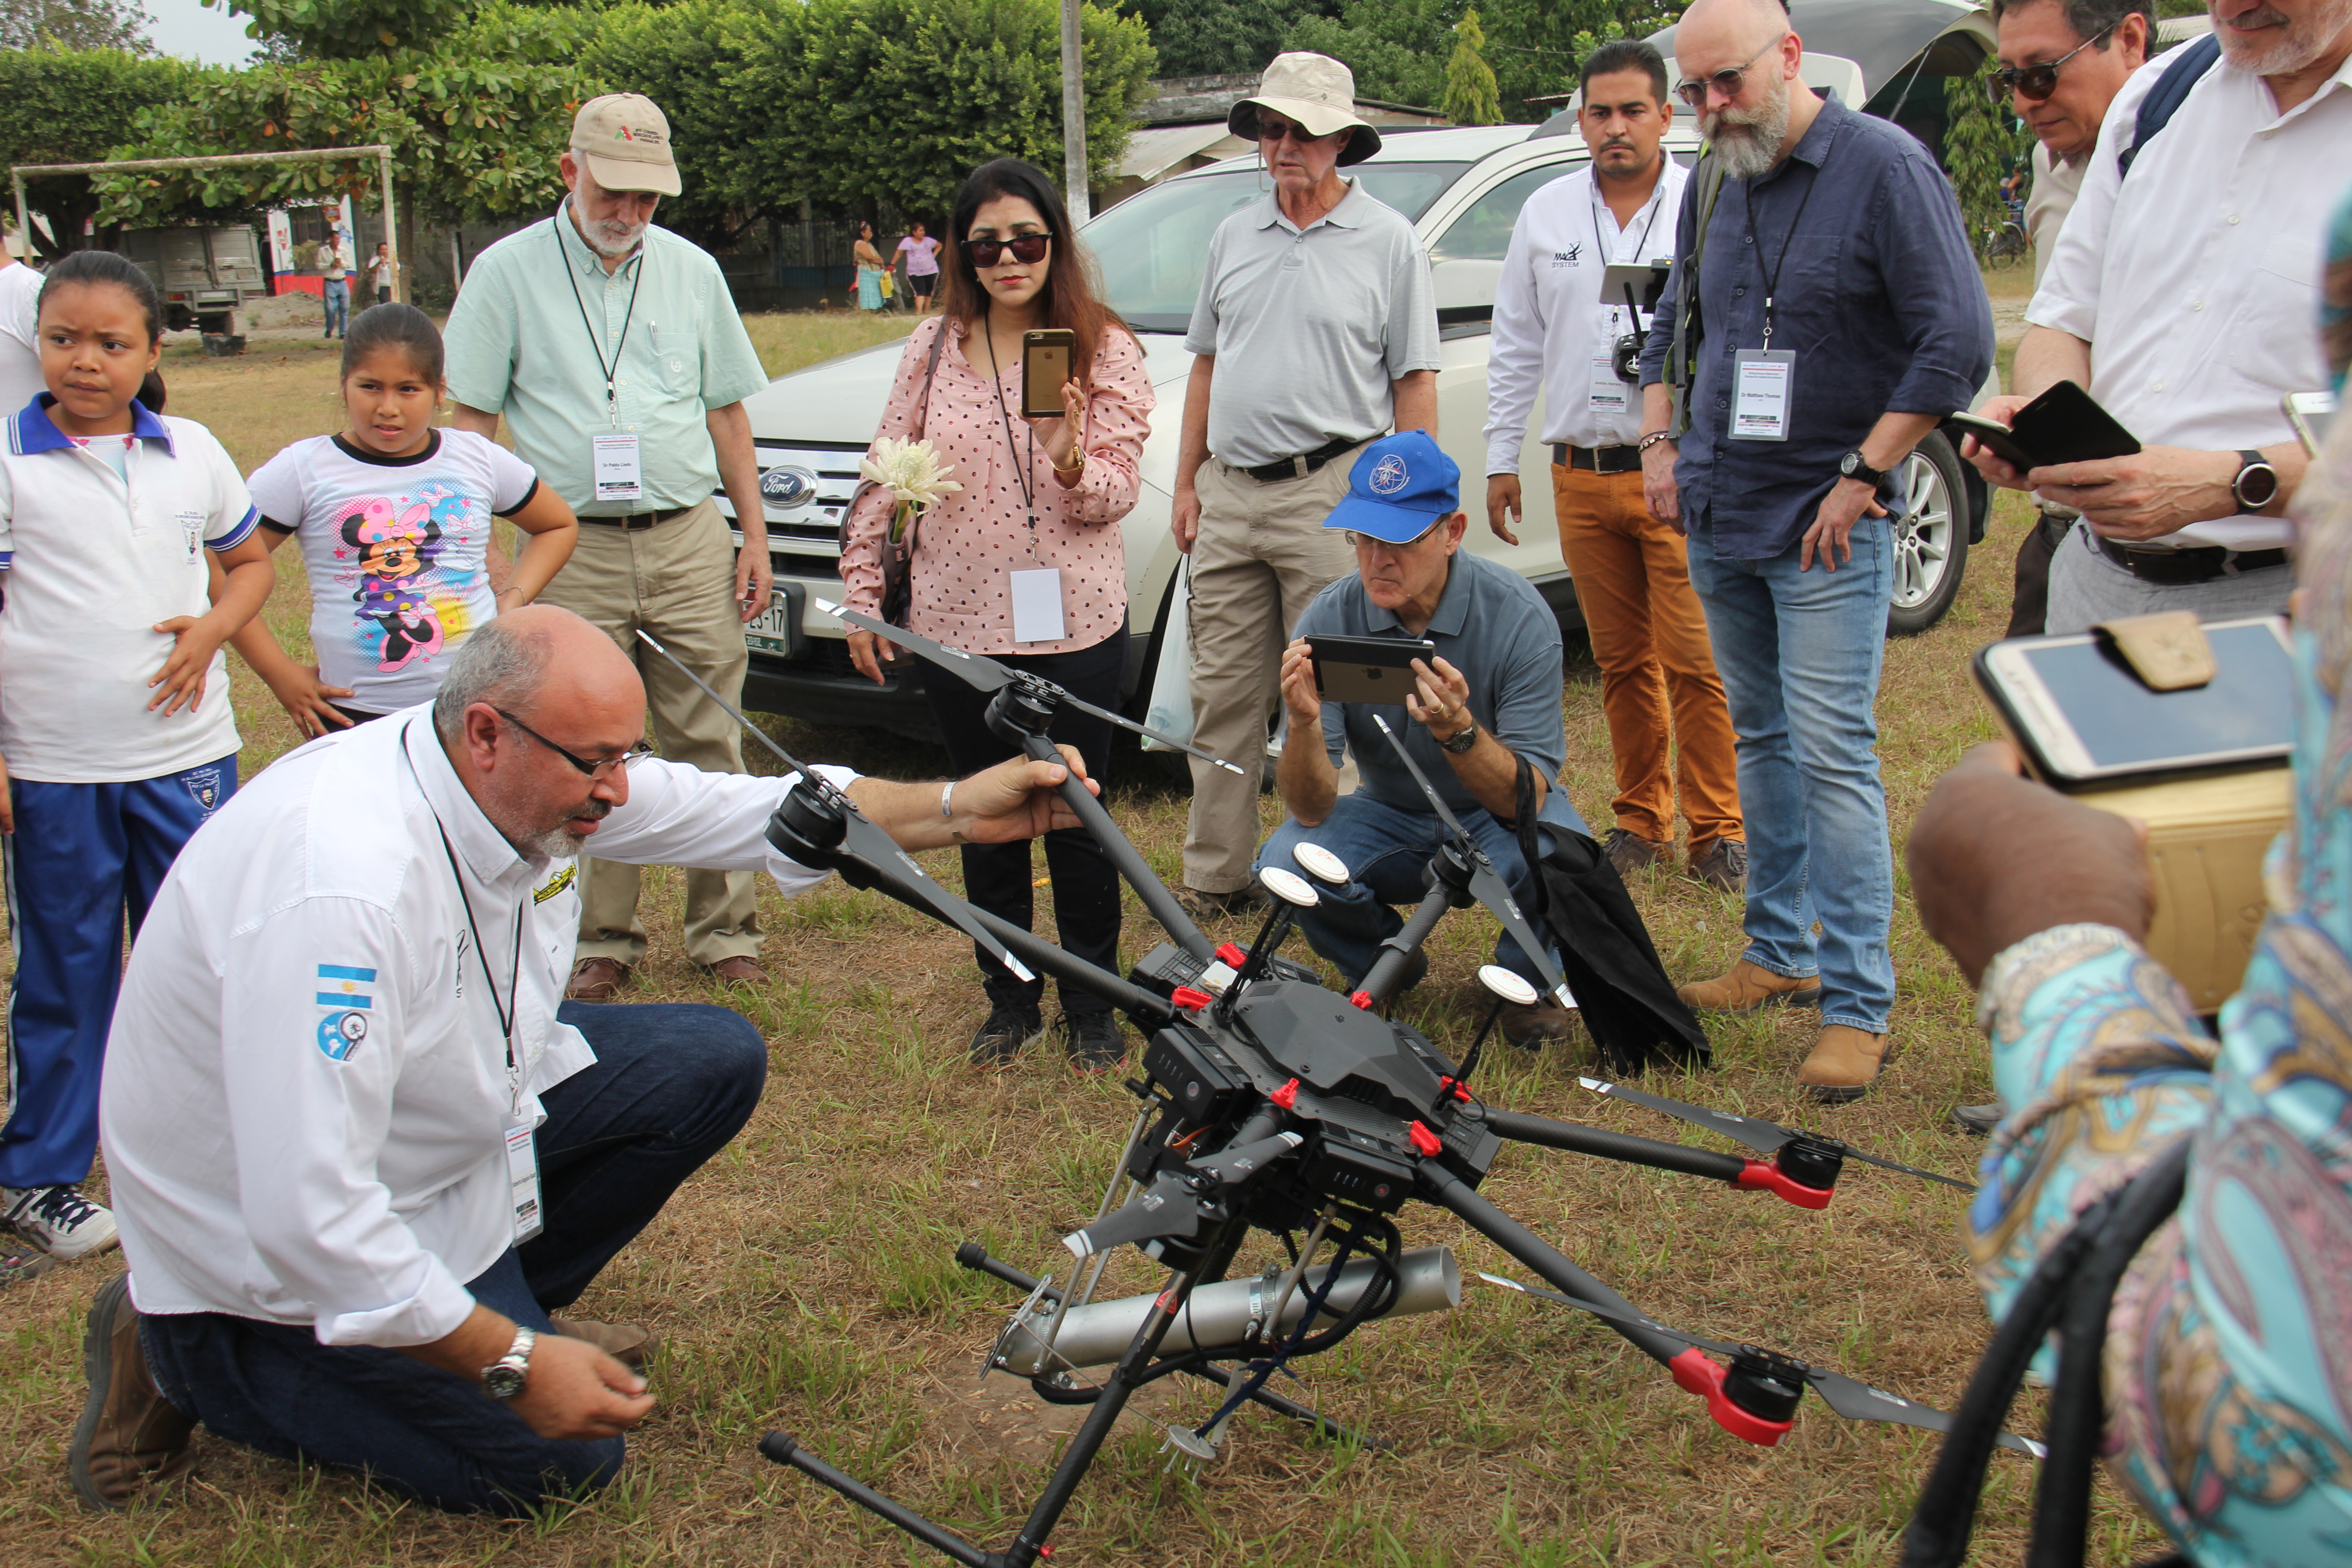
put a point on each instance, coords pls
(2083, 719)
(2309, 413)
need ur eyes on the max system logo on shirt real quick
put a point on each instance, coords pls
(345, 1023)
(1572, 256)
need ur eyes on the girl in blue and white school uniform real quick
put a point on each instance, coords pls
(395, 516)
(116, 737)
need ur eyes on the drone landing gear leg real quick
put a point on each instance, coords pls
(1324, 1425)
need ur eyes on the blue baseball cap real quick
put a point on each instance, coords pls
(1398, 487)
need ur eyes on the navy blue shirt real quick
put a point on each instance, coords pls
(1492, 626)
(1879, 297)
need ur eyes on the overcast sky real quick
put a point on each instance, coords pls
(196, 31)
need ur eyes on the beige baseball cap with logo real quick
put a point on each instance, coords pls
(624, 138)
(1315, 91)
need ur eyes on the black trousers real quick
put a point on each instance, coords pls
(996, 876)
(2029, 606)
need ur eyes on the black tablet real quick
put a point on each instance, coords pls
(1367, 670)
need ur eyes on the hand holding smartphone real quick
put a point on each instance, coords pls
(2064, 425)
(1046, 355)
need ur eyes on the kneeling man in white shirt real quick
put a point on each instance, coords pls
(360, 1145)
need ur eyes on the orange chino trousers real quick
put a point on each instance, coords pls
(1649, 636)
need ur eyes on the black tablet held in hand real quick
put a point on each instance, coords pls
(1367, 670)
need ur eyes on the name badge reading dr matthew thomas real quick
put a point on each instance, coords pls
(1761, 383)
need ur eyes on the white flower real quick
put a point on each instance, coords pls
(911, 470)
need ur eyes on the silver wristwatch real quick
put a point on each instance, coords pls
(503, 1378)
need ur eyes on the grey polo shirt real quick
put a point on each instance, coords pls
(1492, 626)
(539, 319)
(1311, 326)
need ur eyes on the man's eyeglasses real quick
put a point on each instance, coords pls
(1370, 542)
(1275, 130)
(1027, 249)
(600, 772)
(1694, 90)
(2039, 81)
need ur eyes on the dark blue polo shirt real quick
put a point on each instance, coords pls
(1879, 296)
(1492, 626)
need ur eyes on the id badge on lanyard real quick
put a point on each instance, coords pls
(522, 1178)
(1604, 392)
(618, 473)
(1037, 605)
(1762, 383)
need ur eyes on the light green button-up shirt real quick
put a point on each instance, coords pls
(539, 323)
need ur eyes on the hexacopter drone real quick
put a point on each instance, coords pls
(1272, 1102)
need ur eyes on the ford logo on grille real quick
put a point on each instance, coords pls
(785, 487)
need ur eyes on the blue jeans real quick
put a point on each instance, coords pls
(672, 1083)
(1388, 849)
(1799, 653)
(83, 855)
(338, 297)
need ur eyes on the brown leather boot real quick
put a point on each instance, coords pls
(1845, 1062)
(596, 980)
(631, 1344)
(130, 1438)
(1749, 987)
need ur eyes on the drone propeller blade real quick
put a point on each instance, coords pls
(1763, 1137)
(870, 845)
(978, 671)
(1232, 1165)
(1169, 740)
(1631, 1320)
(1486, 884)
(1168, 1207)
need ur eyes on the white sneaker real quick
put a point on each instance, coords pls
(59, 1220)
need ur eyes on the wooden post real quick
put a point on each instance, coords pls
(391, 226)
(24, 225)
(1074, 115)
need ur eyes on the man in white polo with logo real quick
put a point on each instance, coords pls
(614, 350)
(1315, 332)
(1557, 331)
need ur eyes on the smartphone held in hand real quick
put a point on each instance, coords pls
(1045, 354)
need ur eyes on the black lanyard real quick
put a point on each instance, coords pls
(595, 343)
(1608, 254)
(1772, 283)
(505, 1011)
(1019, 470)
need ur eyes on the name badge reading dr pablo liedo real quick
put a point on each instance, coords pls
(614, 466)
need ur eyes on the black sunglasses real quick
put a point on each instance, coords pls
(2039, 81)
(1693, 90)
(1026, 249)
(598, 771)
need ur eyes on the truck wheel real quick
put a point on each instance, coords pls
(1930, 530)
(178, 318)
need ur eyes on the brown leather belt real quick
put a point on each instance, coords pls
(637, 522)
(1624, 459)
(2181, 568)
(1299, 466)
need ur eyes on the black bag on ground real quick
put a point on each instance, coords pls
(1629, 1004)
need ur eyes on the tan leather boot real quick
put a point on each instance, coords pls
(631, 1344)
(1845, 1062)
(130, 1438)
(1749, 987)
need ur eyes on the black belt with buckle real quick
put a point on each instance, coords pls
(2181, 568)
(1599, 459)
(1299, 466)
(637, 522)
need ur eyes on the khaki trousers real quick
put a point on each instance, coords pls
(678, 582)
(1649, 637)
(1262, 554)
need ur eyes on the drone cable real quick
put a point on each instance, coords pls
(1461, 1076)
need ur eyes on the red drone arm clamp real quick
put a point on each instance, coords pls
(1191, 999)
(1761, 1177)
(1695, 1372)
(1362, 999)
(1230, 956)
(1427, 1141)
(1287, 1095)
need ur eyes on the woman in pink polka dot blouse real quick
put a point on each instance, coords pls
(1037, 493)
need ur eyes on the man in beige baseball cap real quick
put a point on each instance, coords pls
(624, 138)
(1315, 91)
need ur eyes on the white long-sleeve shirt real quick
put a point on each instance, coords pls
(306, 1091)
(1552, 332)
(2196, 282)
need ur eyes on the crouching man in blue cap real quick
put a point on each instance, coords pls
(1489, 696)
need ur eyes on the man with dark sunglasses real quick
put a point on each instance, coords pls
(1315, 332)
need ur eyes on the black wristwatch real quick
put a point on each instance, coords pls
(503, 1378)
(2257, 484)
(1852, 467)
(1461, 740)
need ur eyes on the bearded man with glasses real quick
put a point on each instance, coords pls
(1824, 313)
(1316, 332)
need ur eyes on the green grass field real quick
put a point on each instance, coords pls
(804, 1281)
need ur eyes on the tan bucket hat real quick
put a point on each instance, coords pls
(624, 138)
(1317, 91)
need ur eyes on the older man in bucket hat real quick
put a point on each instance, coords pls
(1316, 333)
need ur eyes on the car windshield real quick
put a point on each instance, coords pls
(1153, 247)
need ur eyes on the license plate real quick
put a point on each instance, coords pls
(776, 629)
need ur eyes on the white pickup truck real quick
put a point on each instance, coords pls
(1462, 187)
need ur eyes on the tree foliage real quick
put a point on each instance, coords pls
(1974, 143)
(71, 107)
(1215, 37)
(1400, 49)
(75, 24)
(346, 29)
(1470, 96)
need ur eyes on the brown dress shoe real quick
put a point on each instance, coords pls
(596, 980)
(1534, 1025)
(631, 1344)
(1845, 1062)
(742, 970)
(130, 1438)
(1747, 988)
